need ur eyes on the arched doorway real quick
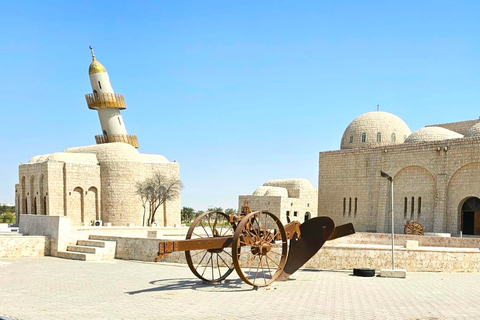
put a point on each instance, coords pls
(471, 216)
(307, 216)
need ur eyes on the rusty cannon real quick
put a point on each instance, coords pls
(256, 244)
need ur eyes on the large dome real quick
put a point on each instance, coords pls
(427, 134)
(374, 129)
(473, 131)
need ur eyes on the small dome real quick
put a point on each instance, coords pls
(374, 129)
(153, 158)
(473, 131)
(96, 67)
(260, 191)
(427, 134)
(276, 192)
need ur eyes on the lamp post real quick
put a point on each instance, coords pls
(389, 178)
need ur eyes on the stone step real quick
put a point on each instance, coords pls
(84, 249)
(78, 256)
(92, 243)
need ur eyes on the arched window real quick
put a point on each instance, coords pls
(379, 137)
(394, 138)
(364, 137)
(351, 138)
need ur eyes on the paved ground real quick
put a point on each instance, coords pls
(51, 288)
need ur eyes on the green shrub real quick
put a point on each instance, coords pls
(8, 217)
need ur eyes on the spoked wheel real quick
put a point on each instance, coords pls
(259, 248)
(212, 265)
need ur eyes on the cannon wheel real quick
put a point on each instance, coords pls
(259, 248)
(212, 265)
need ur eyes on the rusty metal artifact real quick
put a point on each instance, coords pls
(414, 228)
(254, 244)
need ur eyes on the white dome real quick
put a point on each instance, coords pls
(426, 134)
(298, 183)
(110, 152)
(374, 129)
(260, 191)
(276, 192)
(473, 131)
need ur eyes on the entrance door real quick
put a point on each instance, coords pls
(471, 216)
(307, 216)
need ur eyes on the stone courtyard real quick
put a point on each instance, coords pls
(52, 288)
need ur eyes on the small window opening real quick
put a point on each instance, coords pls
(413, 207)
(119, 121)
(295, 213)
(394, 138)
(405, 208)
(364, 137)
(355, 212)
(349, 207)
(99, 85)
(379, 137)
(419, 206)
(351, 138)
(344, 206)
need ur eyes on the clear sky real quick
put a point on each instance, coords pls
(238, 92)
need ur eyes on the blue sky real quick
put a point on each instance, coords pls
(238, 92)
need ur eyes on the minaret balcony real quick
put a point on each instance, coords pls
(131, 139)
(97, 101)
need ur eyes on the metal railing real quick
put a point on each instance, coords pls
(131, 139)
(97, 101)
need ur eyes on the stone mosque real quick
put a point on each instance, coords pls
(96, 182)
(435, 171)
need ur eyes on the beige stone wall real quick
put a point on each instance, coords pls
(21, 246)
(443, 174)
(299, 203)
(79, 179)
(265, 203)
(93, 183)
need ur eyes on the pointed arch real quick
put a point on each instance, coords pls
(458, 193)
(411, 183)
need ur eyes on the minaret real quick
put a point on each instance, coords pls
(108, 105)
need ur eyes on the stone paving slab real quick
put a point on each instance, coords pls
(52, 288)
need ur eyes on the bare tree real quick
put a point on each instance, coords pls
(155, 191)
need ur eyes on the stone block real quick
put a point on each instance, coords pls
(152, 234)
(393, 273)
(411, 244)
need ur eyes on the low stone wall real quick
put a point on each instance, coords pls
(427, 259)
(20, 246)
(401, 239)
(336, 256)
(56, 228)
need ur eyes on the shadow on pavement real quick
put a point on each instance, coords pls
(189, 284)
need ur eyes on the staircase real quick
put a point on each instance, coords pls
(90, 250)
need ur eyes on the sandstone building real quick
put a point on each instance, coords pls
(96, 182)
(295, 198)
(435, 170)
